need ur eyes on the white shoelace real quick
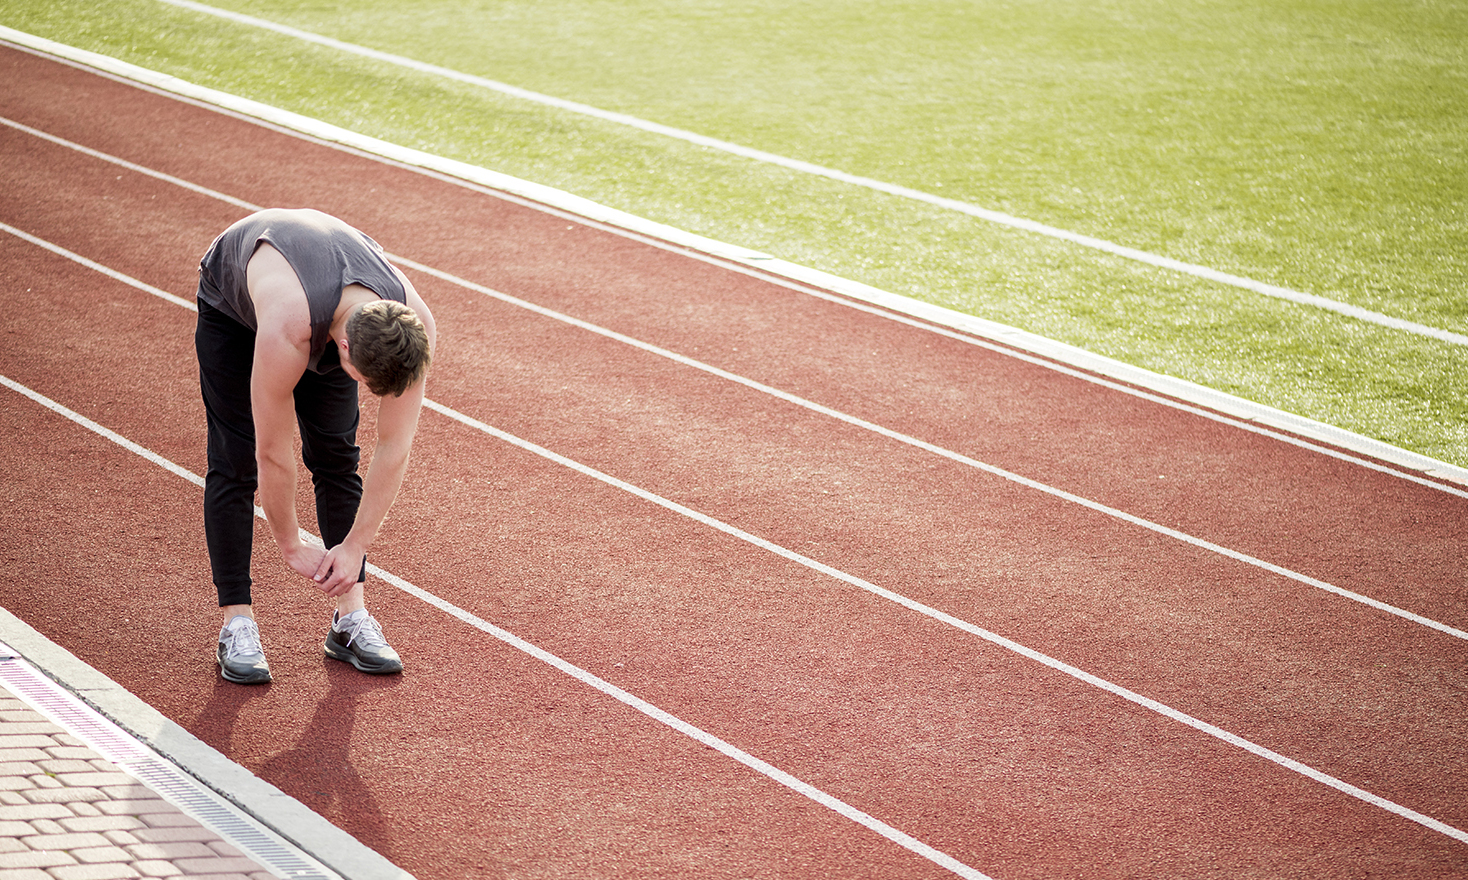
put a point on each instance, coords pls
(367, 630)
(242, 641)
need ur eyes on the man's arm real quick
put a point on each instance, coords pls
(397, 423)
(282, 350)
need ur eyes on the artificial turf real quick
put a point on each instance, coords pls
(1318, 146)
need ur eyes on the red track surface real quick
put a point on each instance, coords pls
(481, 761)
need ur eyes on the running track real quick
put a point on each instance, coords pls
(871, 538)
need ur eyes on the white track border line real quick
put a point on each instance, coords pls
(765, 769)
(803, 167)
(1244, 424)
(741, 259)
(759, 766)
(812, 406)
(754, 763)
(810, 563)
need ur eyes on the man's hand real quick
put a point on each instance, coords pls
(337, 571)
(304, 559)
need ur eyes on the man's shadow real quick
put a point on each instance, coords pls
(318, 769)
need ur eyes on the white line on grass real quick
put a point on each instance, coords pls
(764, 768)
(863, 424)
(794, 277)
(937, 615)
(972, 210)
(759, 766)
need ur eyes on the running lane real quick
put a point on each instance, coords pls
(1003, 763)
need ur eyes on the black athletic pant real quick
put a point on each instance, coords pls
(327, 413)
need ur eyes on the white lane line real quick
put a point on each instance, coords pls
(872, 427)
(738, 754)
(1271, 290)
(97, 267)
(131, 166)
(1146, 702)
(950, 455)
(969, 338)
(843, 301)
(801, 279)
(764, 768)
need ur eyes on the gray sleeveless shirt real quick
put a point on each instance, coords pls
(327, 255)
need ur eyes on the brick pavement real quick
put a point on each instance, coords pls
(67, 813)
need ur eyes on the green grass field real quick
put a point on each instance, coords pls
(1319, 146)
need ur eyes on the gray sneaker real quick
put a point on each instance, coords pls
(357, 639)
(241, 657)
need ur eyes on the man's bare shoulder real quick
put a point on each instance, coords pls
(280, 303)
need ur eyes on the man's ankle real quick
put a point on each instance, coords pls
(352, 602)
(233, 611)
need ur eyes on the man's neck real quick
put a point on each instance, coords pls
(354, 296)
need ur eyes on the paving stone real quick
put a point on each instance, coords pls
(37, 725)
(24, 755)
(62, 795)
(63, 841)
(167, 820)
(173, 835)
(35, 859)
(93, 779)
(35, 811)
(66, 765)
(216, 866)
(133, 807)
(181, 849)
(25, 742)
(100, 823)
(133, 790)
(95, 872)
(92, 855)
(47, 826)
(67, 813)
(72, 753)
(224, 849)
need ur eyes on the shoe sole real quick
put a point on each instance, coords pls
(244, 679)
(349, 657)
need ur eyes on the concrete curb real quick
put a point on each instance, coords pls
(278, 812)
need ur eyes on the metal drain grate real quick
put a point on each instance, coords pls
(174, 785)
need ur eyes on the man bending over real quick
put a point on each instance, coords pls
(295, 308)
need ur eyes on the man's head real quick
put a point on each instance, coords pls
(388, 346)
